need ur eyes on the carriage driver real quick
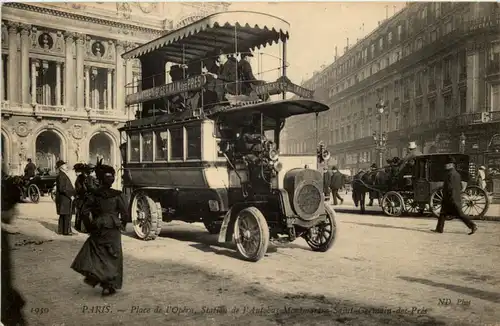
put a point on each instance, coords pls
(412, 153)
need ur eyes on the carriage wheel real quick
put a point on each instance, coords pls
(34, 193)
(146, 217)
(475, 201)
(251, 234)
(411, 206)
(393, 204)
(322, 236)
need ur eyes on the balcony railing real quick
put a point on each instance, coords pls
(39, 111)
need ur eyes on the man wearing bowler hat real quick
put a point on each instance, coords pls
(65, 192)
(451, 204)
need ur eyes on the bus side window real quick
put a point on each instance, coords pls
(193, 134)
(135, 143)
(147, 146)
(176, 144)
(161, 153)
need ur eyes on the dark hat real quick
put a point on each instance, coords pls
(246, 54)
(79, 167)
(450, 159)
(59, 164)
(334, 167)
(105, 170)
(373, 166)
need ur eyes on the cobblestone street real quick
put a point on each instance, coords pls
(377, 265)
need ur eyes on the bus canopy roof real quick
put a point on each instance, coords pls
(230, 31)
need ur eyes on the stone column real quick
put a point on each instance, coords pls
(80, 84)
(25, 63)
(58, 83)
(13, 68)
(34, 73)
(119, 78)
(109, 89)
(87, 87)
(69, 71)
(128, 73)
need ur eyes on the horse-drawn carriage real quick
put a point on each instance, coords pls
(417, 187)
(215, 159)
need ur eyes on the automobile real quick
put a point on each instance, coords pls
(204, 150)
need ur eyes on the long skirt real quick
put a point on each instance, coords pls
(101, 258)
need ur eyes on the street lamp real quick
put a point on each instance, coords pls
(380, 138)
(462, 143)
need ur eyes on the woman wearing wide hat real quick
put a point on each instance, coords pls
(101, 259)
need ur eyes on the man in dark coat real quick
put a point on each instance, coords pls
(451, 204)
(29, 169)
(65, 191)
(372, 194)
(336, 183)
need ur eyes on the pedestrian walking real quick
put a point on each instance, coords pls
(336, 183)
(451, 204)
(65, 192)
(100, 259)
(327, 177)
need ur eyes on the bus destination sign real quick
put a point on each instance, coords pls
(186, 85)
(282, 85)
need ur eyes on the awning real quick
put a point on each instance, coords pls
(218, 31)
(277, 109)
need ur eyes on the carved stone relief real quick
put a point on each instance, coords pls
(47, 41)
(123, 9)
(77, 131)
(147, 7)
(5, 36)
(23, 128)
(99, 49)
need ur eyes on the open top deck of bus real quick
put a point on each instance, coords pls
(228, 31)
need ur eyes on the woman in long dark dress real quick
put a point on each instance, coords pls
(101, 259)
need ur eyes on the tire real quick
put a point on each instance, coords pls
(393, 204)
(475, 202)
(261, 233)
(315, 233)
(34, 193)
(146, 216)
(212, 227)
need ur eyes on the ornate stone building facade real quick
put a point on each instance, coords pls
(435, 65)
(63, 79)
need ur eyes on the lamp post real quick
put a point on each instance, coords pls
(380, 138)
(462, 143)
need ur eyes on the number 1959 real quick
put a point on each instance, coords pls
(39, 311)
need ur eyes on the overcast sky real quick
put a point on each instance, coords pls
(316, 28)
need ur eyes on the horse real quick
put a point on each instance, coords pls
(363, 181)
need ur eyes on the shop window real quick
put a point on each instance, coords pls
(193, 134)
(134, 149)
(147, 146)
(176, 144)
(161, 153)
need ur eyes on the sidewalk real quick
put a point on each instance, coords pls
(492, 214)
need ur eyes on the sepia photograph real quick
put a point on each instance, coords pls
(250, 163)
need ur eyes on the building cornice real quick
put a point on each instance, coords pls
(74, 16)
